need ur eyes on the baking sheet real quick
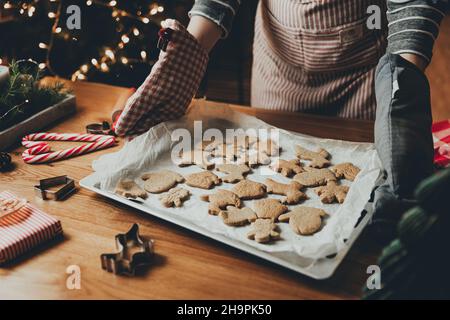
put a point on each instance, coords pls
(151, 152)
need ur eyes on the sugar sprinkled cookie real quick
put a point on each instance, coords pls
(345, 170)
(175, 197)
(269, 209)
(248, 189)
(237, 216)
(315, 177)
(292, 191)
(129, 189)
(203, 180)
(263, 231)
(220, 200)
(319, 159)
(304, 220)
(332, 192)
(161, 181)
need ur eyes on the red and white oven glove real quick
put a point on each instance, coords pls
(171, 85)
(441, 139)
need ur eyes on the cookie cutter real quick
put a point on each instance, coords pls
(103, 128)
(133, 252)
(68, 186)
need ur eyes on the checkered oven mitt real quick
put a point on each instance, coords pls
(441, 139)
(171, 85)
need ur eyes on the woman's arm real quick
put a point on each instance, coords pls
(205, 31)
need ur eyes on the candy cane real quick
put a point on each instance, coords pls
(39, 151)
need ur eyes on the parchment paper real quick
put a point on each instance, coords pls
(151, 152)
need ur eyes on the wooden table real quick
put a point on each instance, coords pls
(187, 266)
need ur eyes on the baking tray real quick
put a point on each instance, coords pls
(316, 269)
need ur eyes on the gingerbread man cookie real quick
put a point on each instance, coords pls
(292, 191)
(220, 200)
(332, 192)
(248, 189)
(318, 159)
(175, 197)
(345, 170)
(287, 167)
(304, 220)
(263, 231)
(269, 209)
(161, 181)
(203, 180)
(198, 157)
(315, 177)
(234, 172)
(237, 216)
(129, 189)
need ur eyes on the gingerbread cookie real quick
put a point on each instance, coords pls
(234, 172)
(291, 191)
(129, 189)
(253, 159)
(263, 231)
(175, 197)
(287, 167)
(240, 141)
(206, 145)
(267, 146)
(198, 157)
(318, 159)
(345, 170)
(269, 209)
(220, 200)
(203, 180)
(161, 181)
(227, 151)
(237, 216)
(332, 192)
(304, 220)
(248, 189)
(314, 177)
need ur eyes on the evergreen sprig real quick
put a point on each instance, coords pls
(22, 95)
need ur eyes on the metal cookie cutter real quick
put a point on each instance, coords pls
(100, 128)
(67, 187)
(133, 252)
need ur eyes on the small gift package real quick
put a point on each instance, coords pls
(23, 227)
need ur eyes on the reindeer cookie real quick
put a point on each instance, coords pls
(175, 197)
(203, 180)
(129, 189)
(237, 216)
(287, 167)
(220, 200)
(248, 189)
(234, 172)
(332, 192)
(345, 170)
(161, 181)
(315, 177)
(264, 230)
(292, 191)
(318, 159)
(198, 157)
(304, 220)
(269, 209)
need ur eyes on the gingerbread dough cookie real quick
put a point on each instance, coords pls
(287, 167)
(269, 209)
(237, 216)
(161, 181)
(175, 197)
(234, 172)
(198, 157)
(220, 200)
(203, 180)
(267, 146)
(292, 191)
(315, 177)
(129, 189)
(318, 159)
(227, 151)
(248, 189)
(263, 231)
(253, 159)
(304, 220)
(345, 170)
(332, 192)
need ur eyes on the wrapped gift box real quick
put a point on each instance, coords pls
(25, 229)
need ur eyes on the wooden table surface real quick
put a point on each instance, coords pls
(187, 265)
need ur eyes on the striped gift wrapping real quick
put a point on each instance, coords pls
(24, 229)
(441, 140)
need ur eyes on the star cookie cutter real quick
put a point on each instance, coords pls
(133, 252)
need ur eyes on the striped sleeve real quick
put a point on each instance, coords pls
(221, 12)
(414, 25)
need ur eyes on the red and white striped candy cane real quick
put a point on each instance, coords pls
(39, 151)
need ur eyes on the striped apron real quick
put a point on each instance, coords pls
(316, 56)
